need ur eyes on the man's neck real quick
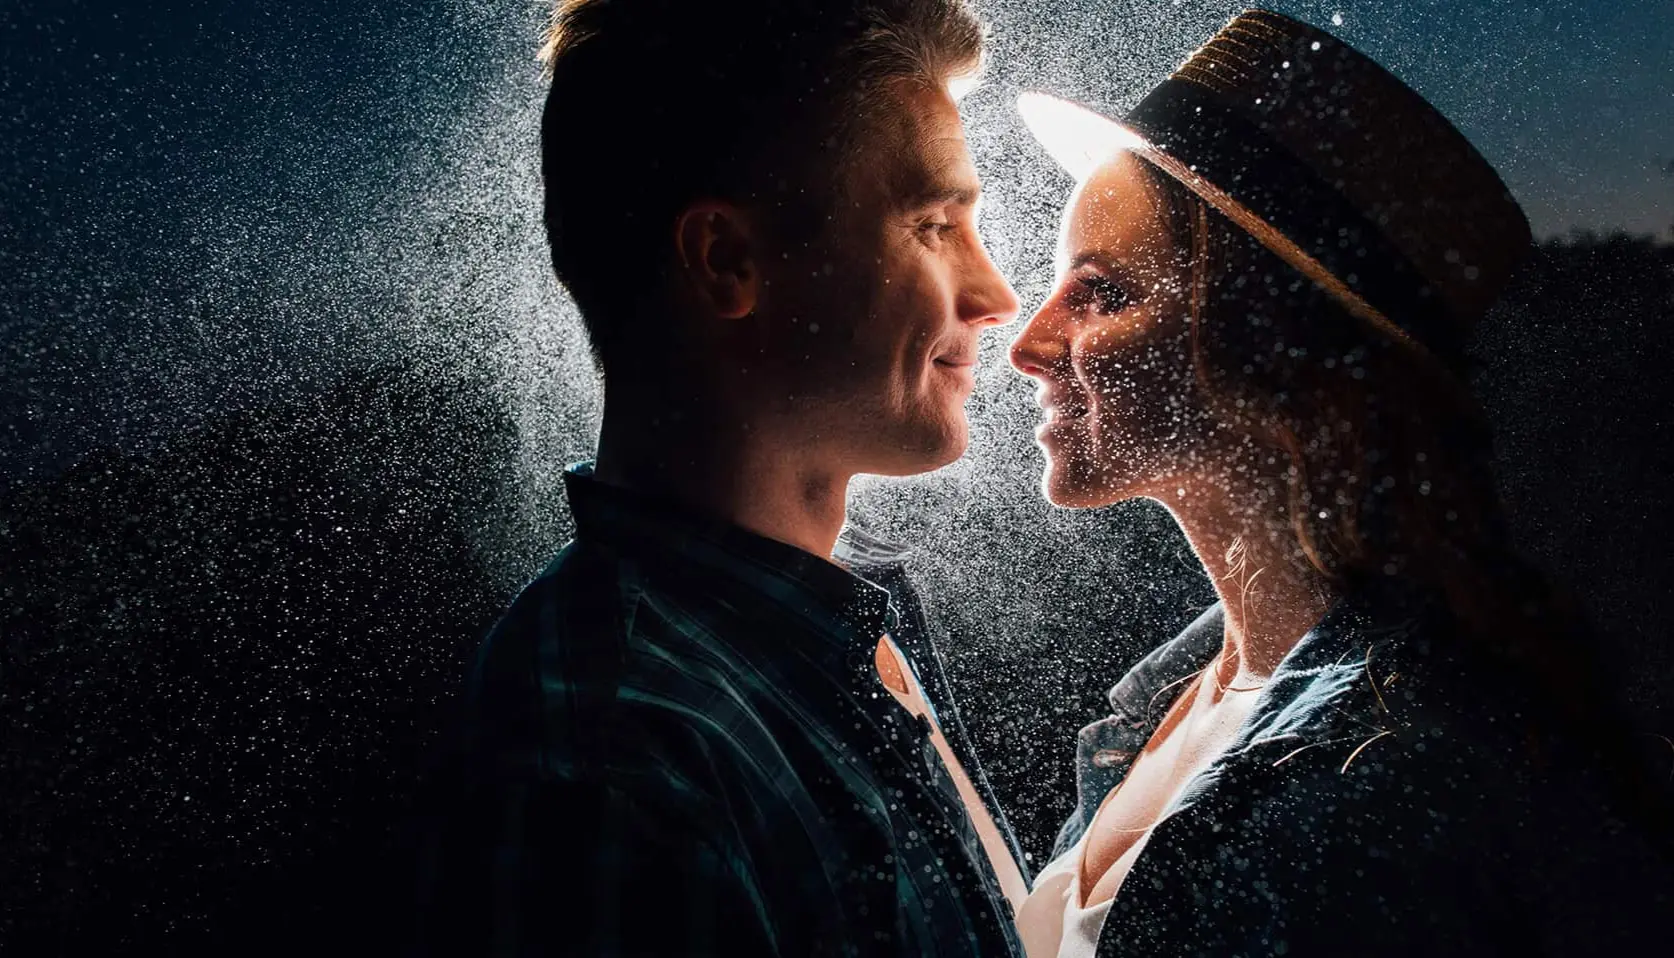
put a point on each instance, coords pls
(728, 467)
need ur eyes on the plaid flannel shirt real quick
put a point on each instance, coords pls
(677, 743)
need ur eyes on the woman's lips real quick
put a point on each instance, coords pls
(1059, 417)
(1061, 409)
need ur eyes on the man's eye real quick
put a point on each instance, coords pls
(936, 228)
(1100, 295)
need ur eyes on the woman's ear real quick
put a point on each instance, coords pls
(717, 258)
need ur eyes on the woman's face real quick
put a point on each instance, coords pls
(1111, 349)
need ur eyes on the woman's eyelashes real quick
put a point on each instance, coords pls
(1090, 291)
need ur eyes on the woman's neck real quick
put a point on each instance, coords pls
(1241, 531)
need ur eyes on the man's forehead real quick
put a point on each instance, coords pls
(917, 146)
(931, 170)
(945, 162)
(945, 151)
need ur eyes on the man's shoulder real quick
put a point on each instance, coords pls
(594, 650)
(591, 610)
(578, 581)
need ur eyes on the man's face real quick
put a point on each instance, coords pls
(881, 316)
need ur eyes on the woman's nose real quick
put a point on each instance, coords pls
(1036, 349)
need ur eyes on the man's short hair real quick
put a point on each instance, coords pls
(656, 104)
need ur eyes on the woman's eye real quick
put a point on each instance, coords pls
(1100, 295)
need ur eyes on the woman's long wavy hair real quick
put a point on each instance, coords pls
(1387, 458)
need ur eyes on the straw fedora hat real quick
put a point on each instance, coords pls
(1329, 161)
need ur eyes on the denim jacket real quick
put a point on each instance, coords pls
(1381, 800)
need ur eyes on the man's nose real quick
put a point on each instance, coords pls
(988, 299)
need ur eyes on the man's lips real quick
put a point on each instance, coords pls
(958, 369)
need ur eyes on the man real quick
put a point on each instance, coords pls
(679, 737)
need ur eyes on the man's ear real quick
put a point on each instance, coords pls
(717, 254)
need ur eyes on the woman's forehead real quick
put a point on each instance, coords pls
(1113, 210)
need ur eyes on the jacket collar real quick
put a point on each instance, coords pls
(1302, 699)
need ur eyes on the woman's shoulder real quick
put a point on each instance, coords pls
(1396, 691)
(1426, 806)
(1437, 760)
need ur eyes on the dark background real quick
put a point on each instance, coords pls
(285, 386)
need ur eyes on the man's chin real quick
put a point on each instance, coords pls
(924, 450)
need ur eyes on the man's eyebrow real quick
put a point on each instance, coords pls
(940, 195)
(946, 178)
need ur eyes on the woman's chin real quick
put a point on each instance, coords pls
(1065, 487)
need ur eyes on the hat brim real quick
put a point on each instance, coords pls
(1078, 139)
(1081, 140)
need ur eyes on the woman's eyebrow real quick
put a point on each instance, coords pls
(1103, 261)
(1083, 258)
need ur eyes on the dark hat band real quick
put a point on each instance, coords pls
(1208, 141)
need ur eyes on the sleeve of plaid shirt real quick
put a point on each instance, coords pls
(572, 868)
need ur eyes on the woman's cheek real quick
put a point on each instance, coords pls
(1137, 403)
(1113, 370)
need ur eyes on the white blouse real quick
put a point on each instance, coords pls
(1051, 922)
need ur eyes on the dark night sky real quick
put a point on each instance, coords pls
(1596, 82)
(1574, 102)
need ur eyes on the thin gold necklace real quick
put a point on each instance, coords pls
(1213, 668)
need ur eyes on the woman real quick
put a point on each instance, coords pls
(1384, 739)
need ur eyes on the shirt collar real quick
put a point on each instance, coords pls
(859, 546)
(652, 526)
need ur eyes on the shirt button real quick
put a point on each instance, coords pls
(1110, 757)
